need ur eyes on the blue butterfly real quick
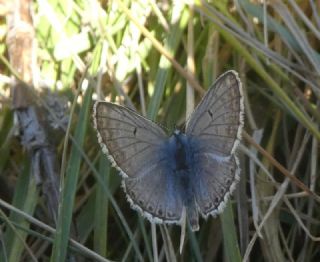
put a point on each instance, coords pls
(188, 172)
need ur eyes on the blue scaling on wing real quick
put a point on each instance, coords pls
(196, 170)
(137, 148)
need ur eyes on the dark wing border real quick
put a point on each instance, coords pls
(151, 217)
(220, 208)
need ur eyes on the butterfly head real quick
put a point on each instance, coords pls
(177, 132)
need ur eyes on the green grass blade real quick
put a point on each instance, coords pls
(101, 209)
(231, 246)
(25, 198)
(171, 44)
(69, 188)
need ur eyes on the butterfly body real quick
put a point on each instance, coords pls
(180, 152)
(191, 172)
(183, 169)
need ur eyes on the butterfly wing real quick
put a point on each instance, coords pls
(137, 147)
(128, 139)
(214, 130)
(215, 181)
(156, 196)
(218, 119)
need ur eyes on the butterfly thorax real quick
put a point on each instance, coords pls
(180, 154)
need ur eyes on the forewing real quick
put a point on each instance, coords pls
(215, 181)
(132, 142)
(217, 121)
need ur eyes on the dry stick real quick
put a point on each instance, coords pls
(305, 19)
(255, 208)
(246, 38)
(281, 168)
(154, 242)
(296, 216)
(20, 41)
(274, 202)
(297, 195)
(285, 246)
(168, 250)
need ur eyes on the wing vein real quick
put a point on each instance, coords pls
(201, 113)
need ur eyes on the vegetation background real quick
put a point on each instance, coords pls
(157, 57)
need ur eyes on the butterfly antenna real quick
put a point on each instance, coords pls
(183, 228)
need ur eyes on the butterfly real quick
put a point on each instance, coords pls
(192, 171)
